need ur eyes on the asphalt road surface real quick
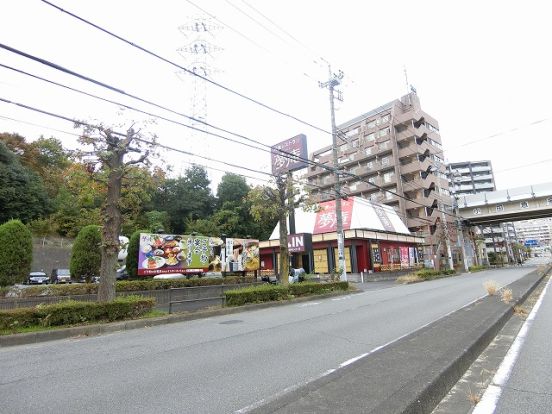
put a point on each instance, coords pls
(227, 363)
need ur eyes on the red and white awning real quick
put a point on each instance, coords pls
(356, 212)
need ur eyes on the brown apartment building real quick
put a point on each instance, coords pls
(395, 149)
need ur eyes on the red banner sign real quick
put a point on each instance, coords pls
(326, 219)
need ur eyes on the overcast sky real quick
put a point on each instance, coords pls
(482, 69)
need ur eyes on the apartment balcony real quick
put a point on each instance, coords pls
(415, 166)
(424, 201)
(413, 149)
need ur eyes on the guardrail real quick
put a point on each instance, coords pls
(198, 297)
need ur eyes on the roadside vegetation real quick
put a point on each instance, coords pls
(71, 313)
(272, 293)
(121, 286)
(423, 275)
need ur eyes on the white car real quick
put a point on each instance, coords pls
(164, 276)
(38, 278)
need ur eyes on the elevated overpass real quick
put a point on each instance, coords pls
(521, 203)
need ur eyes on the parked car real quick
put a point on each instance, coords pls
(122, 273)
(60, 276)
(38, 278)
(164, 276)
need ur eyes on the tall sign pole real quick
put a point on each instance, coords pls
(333, 81)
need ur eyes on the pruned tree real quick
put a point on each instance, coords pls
(269, 204)
(117, 153)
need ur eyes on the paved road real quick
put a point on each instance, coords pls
(223, 364)
(523, 384)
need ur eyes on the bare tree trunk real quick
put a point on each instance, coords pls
(111, 217)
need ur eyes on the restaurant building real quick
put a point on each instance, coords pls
(376, 240)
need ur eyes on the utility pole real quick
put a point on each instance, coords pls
(460, 230)
(441, 207)
(333, 81)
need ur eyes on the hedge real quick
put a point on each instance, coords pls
(126, 286)
(268, 293)
(71, 312)
(477, 268)
(428, 274)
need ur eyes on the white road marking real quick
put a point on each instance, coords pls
(490, 398)
(303, 305)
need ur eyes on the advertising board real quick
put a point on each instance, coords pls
(173, 253)
(289, 155)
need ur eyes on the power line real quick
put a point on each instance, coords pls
(120, 91)
(73, 121)
(226, 88)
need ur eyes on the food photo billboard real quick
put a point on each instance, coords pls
(242, 255)
(173, 253)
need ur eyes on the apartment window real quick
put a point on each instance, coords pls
(372, 180)
(351, 133)
(355, 143)
(383, 132)
(385, 161)
(370, 164)
(388, 177)
(499, 208)
(384, 145)
(371, 124)
(344, 147)
(389, 195)
(549, 201)
(476, 211)
(524, 204)
(371, 137)
(368, 151)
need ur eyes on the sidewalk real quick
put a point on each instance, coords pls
(523, 383)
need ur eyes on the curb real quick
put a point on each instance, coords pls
(110, 327)
(413, 374)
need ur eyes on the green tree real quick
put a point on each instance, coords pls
(204, 227)
(85, 255)
(185, 198)
(232, 188)
(16, 254)
(132, 256)
(22, 194)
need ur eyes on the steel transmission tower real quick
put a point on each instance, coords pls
(199, 55)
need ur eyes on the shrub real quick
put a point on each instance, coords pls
(409, 278)
(491, 287)
(16, 252)
(127, 286)
(506, 295)
(477, 268)
(268, 293)
(86, 255)
(72, 312)
(132, 257)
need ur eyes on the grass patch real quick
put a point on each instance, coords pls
(491, 287)
(410, 278)
(520, 311)
(506, 295)
(474, 269)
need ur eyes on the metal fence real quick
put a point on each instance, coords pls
(200, 297)
(172, 300)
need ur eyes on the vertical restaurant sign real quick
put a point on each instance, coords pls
(384, 218)
(295, 147)
(404, 256)
(326, 218)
